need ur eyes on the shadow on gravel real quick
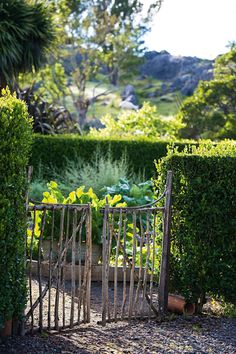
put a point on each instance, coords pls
(199, 334)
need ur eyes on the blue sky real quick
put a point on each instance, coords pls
(201, 28)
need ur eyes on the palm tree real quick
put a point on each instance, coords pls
(26, 35)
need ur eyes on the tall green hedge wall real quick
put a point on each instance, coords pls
(203, 247)
(15, 141)
(52, 151)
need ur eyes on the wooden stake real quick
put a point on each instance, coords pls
(140, 264)
(89, 260)
(153, 262)
(40, 271)
(30, 269)
(124, 271)
(116, 265)
(57, 298)
(104, 265)
(131, 287)
(50, 270)
(73, 270)
(63, 270)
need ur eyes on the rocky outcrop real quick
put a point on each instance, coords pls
(179, 73)
(129, 95)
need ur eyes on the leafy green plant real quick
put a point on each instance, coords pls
(48, 118)
(15, 143)
(78, 196)
(132, 194)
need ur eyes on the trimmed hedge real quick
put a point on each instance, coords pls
(15, 141)
(203, 248)
(52, 151)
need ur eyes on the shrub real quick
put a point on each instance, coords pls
(15, 141)
(101, 171)
(144, 122)
(204, 220)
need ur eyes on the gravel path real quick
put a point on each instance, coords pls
(203, 334)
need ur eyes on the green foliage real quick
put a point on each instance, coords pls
(78, 196)
(144, 123)
(204, 222)
(210, 112)
(15, 141)
(101, 34)
(47, 118)
(26, 35)
(53, 152)
(101, 171)
(132, 194)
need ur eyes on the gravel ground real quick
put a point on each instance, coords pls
(205, 334)
(198, 334)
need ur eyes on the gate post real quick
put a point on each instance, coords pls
(164, 271)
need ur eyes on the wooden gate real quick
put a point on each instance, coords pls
(136, 246)
(131, 240)
(59, 237)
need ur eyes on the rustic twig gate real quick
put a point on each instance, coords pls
(139, 298)
(55, 303)
(60, 288)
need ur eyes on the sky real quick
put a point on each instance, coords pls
(201, 28)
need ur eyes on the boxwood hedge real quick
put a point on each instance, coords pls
(203, 247)
(15, 141)
(52, 151)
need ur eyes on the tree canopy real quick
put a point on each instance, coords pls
(211, 111)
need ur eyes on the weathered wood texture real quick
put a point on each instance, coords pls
(144, 296)
(74, 224)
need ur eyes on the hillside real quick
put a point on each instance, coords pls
(163, 79)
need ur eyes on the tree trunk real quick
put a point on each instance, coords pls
(82, 109)
(113, 76)
(3, 83)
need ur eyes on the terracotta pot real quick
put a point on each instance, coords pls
(177, 304)
(6, 331)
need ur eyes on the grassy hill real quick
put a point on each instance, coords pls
(167, 105)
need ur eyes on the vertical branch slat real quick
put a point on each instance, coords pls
(30, 268)
(50, 269)
(57, 298)
(131, 287)
(40, 271)
(73, 269)
(116, 265)
(79, 290)
(111, 227)
(153, 261)
(104, 267)
(140, 264)
(147, 260)
(89, 260)
(63, 269)
(124, 270)
(164, 272)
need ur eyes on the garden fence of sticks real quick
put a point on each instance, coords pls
(134, 263)
(132, 237)
(59, 292)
